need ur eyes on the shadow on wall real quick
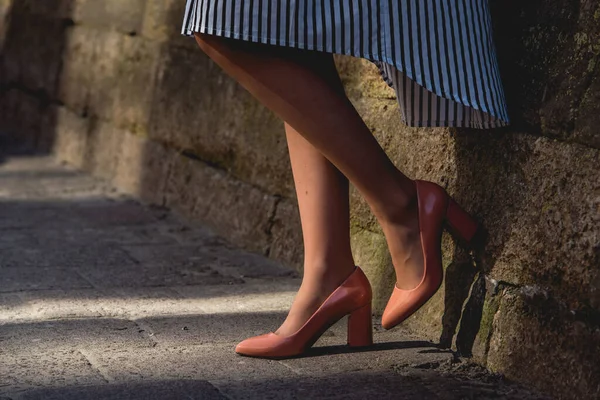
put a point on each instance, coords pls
(31, 51)
(120, 93)
(490, 181)
(547, 75)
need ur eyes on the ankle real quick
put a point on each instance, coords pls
(400, 209)
(328, 273)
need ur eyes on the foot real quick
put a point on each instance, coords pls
(313, 291)
(404, 242)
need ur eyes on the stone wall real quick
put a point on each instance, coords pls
(111, 86)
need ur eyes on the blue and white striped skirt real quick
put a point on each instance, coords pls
(438, 55)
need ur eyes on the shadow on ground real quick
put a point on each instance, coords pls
(358, 385)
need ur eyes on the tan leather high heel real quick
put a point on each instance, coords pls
(352, 297)
(435, 208)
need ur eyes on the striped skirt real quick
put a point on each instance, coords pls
(438, 55)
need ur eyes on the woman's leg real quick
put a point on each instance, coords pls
(323, 200)
(287, 81)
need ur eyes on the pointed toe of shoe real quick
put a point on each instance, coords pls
(401, 305)
(387, 320)
(386, 323)
(393, 313)
(404, 303)
(258, 346)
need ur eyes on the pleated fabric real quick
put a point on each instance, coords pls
(437, 55)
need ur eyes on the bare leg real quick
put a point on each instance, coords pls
(289, 84)
(322, 192)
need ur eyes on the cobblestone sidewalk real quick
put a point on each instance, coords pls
(104, 298)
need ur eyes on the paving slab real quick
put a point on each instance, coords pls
(211, 328)
(105, 334)
(55, 254)
(211, 252)
(331, 355)
(210, 362)
(147, 302)
(154, 233)
(47, 369)
(20, 215)
(115, 212)
(251, 296)
(357, 385)
(164, 390)
(40, 305)
(140, 302)
(10, 306)
(13, 279)
(150, 274)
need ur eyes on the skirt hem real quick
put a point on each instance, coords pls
(375, 59)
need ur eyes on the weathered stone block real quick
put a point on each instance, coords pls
(78, 70)
(362, 79)
(537, 339)
(163, 21)
(545, 214)
(126, 65)
(135, 84)
(232, 208)
(71, 137)
(109, 75)
(131, 166)
(549, 53)
(103, 149)
(29, 57)
(104, 49)
(48, 8)
(123, 15)
(200, 109)
(143, 167)
(20, 115)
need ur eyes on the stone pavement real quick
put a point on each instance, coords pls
(104, 298)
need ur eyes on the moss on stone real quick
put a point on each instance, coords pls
(490, 308)
(371, 254)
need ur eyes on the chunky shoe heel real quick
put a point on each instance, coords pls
(462, 225)
(460, 222)
(360, 327)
